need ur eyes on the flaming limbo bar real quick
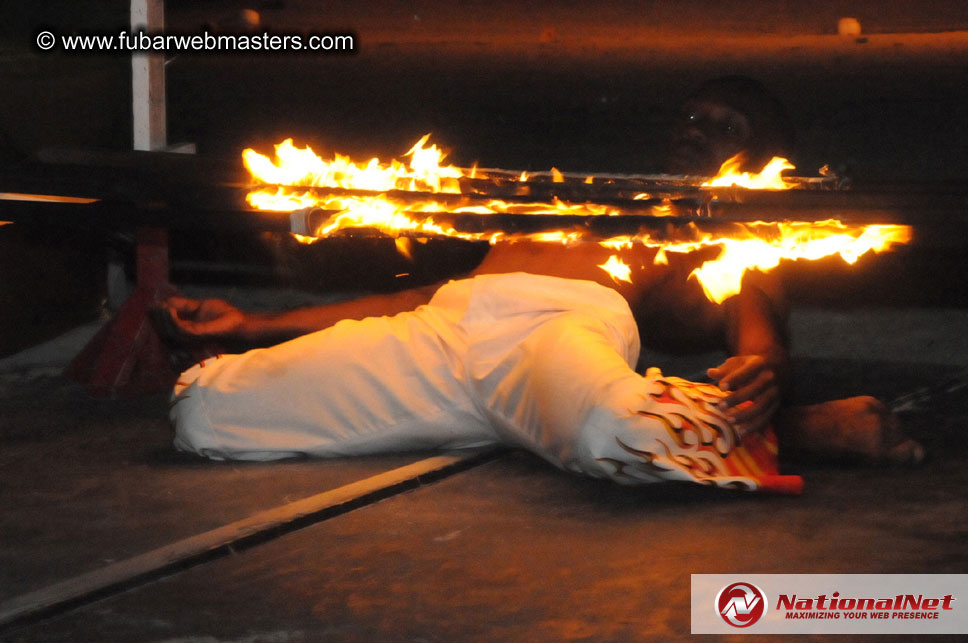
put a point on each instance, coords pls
(131, 190)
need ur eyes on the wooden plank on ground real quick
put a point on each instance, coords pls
(232, 537)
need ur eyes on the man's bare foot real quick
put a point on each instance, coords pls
(857, 428)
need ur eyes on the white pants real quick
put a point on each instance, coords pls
(531, 361)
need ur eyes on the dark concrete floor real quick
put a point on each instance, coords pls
(510, 550)
(516, 551)
(87, 482)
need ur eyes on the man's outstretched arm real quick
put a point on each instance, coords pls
(857, 428)
(190, 320)
(757, 375)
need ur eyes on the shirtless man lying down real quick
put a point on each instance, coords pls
(536, 348)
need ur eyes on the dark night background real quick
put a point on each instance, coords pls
(525, 85)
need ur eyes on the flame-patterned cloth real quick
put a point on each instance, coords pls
(537, 362)
(700, 443)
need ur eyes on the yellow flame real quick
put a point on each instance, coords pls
(404, 247)
(557, 176)
(760, 246)
(305, 239)
(769, 178)
(280, 200)
(617, 269)
(424, 172)
(302, 167)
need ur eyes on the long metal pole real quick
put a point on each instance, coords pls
(148, 79)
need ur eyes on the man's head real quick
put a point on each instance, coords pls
(724, 117)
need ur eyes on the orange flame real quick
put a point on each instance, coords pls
(294, 167)
(302, 167)
(760, 246)
(617, 269)
(773, 242)
(769, 178)
(404, 247)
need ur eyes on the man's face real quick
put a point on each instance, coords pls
(705, 135)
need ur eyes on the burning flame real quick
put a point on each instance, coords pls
(302, 167)
(404, 246)
(617, 269)
(770, 243)
(768, 178)
(760, 246)
(295, 167)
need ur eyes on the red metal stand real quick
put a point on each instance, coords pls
(127, 357)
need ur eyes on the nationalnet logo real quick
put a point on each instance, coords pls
(899, 606)
(830, 603)
(741, 604)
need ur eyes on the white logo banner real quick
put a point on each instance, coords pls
(830, 604)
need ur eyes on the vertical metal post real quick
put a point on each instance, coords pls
(127, 357)
(148, 79)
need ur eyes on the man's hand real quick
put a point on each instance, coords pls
(753, 394)
(190, 320)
